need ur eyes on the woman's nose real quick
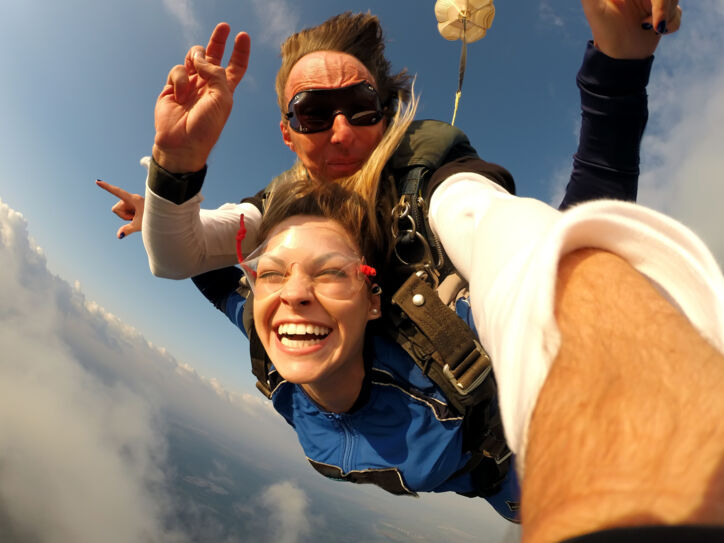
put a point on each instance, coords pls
(297, 289)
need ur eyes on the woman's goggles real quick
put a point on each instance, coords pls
(314, 110)
(335, 275)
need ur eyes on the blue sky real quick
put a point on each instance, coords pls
(81, 78)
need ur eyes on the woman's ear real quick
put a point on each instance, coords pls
(374, 311)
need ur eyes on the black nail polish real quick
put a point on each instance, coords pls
(647, 26)
(661, 27)
(123, 235)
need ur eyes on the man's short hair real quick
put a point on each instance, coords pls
(357, 34)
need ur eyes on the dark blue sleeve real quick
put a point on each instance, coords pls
(614, 109)
(220, 287)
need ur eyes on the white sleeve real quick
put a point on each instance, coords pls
(184, 240)
(509, 248)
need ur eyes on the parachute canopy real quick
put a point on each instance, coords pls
(466, 20)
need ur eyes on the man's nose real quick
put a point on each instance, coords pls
(342, 130)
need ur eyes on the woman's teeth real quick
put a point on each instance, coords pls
(307, 334)
(292, 329)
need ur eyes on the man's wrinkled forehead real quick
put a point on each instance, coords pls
(326, 70)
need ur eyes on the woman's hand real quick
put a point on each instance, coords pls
(128, 208)
(193, 107)
(631, 29)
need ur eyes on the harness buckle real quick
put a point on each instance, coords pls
(264, 388)
(459, 384)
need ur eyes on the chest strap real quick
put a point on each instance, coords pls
(441, 343)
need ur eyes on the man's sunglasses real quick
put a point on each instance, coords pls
(314, 110)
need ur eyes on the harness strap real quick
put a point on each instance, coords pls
(260, 363)
(440, 342)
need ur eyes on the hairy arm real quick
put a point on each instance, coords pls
(628, 428)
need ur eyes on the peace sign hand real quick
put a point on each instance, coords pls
(193, 107)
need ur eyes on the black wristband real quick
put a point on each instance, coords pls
(175, 187)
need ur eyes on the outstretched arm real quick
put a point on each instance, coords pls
(612, 82)
(583, 335)
(182, 240)
(629, 426)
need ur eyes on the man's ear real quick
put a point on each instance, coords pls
(286, 135)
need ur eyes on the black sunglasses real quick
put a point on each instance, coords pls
(314, 110)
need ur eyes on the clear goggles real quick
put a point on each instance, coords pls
(313, 258)
(314, 110)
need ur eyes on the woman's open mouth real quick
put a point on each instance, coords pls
(298, 335)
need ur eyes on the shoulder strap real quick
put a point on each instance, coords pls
(260, 363)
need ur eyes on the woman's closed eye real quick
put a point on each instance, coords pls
(332, 274)
(270, 276)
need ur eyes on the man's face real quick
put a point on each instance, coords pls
(341, 150)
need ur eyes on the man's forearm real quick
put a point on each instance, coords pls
(629, 425)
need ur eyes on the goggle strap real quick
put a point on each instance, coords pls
(240, 235)
(369, 271)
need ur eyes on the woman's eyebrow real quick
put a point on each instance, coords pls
(321, 259)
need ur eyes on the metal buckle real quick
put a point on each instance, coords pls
(476, 382)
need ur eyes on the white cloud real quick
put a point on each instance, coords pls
(278, 19)
(288, 510)
(548, 15)
(682, 158)
(85, 404)
(183, 11)
(79, 458)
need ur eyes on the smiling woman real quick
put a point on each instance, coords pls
(362, 409)
(311, 306)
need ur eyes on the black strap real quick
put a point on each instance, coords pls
(260, 363)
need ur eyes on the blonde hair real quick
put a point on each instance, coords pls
(357, 34)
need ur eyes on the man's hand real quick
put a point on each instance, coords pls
(128, 208)
(193, 107)
(631, 29)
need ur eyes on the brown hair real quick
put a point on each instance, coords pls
(357, 34)
(328, 200)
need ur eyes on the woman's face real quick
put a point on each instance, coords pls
(311, 327)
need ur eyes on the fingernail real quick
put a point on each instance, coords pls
(661, 27)
(647, 26)
(123, 235)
